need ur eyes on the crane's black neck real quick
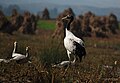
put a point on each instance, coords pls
(27, 53)
(67, 26)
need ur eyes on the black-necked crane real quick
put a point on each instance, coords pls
(64, 64)
(19, 57)
(73, 44)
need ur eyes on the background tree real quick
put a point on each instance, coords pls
(5, 25)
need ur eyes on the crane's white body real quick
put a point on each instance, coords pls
(18, 56)
(69, 41)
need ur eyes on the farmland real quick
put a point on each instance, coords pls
(45, 51)
(46, 24)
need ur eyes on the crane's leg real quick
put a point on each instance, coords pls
(74, 59)
(69, 53)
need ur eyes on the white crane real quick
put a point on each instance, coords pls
(18, 57)
(64, 64)
(73, 44)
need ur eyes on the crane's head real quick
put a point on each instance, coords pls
(68, 17)
(27, 48)
(15, 42)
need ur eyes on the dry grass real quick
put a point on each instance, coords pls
(46, 51)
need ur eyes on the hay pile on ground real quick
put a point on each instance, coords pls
(23, 23)
(89, 24)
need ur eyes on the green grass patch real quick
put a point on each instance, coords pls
(46, 24)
